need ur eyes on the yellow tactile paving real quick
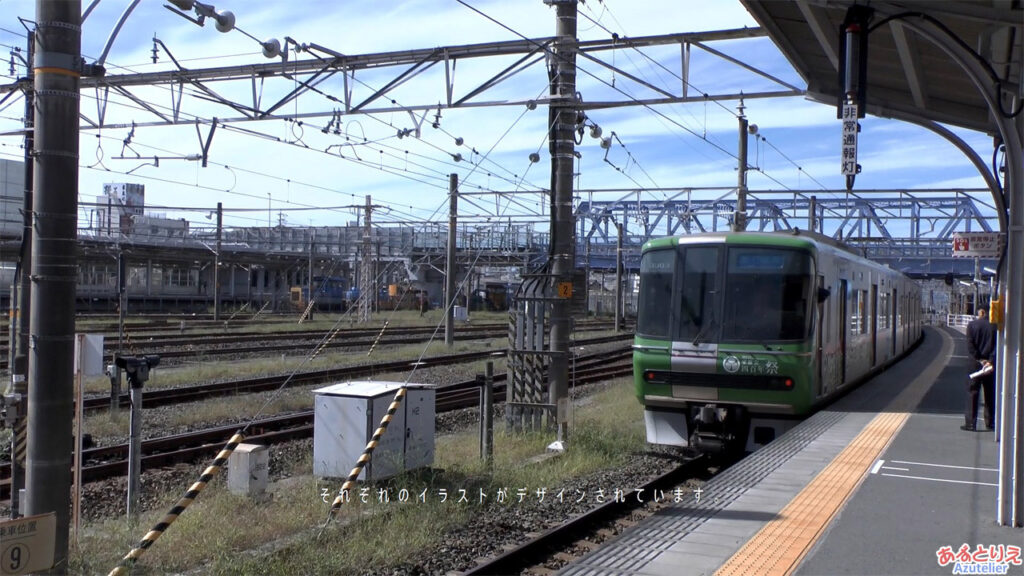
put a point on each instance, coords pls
(780, 546)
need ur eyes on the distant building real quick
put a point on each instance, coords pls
(116, 208)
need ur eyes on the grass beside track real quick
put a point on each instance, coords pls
(214, 370)
(232, 408)
(226, 534)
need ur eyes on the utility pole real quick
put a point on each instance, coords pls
(450, 268)
(739, 223)
(367, 266)
(20, 322)
(563, 246)
(618, 279)
(812, 214)
(216, 264)
(54, 266)
(309, 272)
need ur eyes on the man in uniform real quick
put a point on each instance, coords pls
(981, 345)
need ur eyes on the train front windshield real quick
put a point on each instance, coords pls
(764, 294)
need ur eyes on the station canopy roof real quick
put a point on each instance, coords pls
(909, 77)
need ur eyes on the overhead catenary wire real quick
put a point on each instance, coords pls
(676, 76)
(379, 166)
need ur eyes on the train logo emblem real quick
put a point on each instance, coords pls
(731, 364)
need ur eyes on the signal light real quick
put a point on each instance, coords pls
(789, 382)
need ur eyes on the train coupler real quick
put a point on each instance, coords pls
(718, 430)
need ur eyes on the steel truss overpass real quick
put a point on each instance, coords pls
(911, 230)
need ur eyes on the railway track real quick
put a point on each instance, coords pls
(247, 343)
(163, 397)
(544, 553)
(109, 461)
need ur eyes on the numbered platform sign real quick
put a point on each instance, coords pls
(26, 544)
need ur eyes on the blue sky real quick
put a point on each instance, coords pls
(673, 146)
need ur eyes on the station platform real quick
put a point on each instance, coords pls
(882, 482)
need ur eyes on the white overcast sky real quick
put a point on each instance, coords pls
(671, 147)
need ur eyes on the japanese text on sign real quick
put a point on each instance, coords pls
(27, 544)
(849, 156)
(977, 244)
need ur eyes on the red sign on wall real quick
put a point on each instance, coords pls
(978, 244)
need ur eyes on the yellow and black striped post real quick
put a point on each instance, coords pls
(124, 567)
(306, 312)
(326, 343)
(376, 340)
(364, 458)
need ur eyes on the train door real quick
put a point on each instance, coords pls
(895, 303)
(874, 324)
(843, 319)
(819, 329)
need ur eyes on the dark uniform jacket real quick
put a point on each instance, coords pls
(981, 340)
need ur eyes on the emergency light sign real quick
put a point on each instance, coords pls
(849, 139)
(977, 244)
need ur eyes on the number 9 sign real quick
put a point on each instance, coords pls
(15, 558)
(27, 544)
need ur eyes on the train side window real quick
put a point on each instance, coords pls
(856, 307)
(862, 310)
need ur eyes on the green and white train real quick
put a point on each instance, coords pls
(741, 335)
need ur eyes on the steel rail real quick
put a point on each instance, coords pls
(162, 397)
(112, 460)
(559, 537)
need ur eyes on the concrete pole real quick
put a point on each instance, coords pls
(586, 272)
(1010, 361)
(563, 245)
(309, 273)
(377, 280)
(54, 266)
(487, 417)
(812, 214)
(450, 267)
(618, 279)
(20, 321)
(739, 223)
(216, 264)
(122, 304)
(366, 268)
(134, 449)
